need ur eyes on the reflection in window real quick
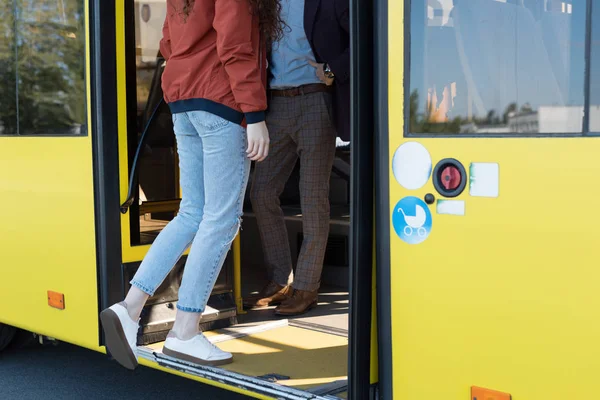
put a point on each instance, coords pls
(595, 71)
(43, 67)
(8, 97)
(497, 66)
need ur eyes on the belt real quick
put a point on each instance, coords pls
(300, 90)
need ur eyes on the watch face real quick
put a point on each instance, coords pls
(327, 71)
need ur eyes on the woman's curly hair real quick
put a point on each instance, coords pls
(269, 14)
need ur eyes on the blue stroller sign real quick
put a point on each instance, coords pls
(412, 220)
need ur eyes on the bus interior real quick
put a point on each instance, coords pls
(307, 352)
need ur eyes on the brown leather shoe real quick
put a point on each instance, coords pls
(300, 302)
(271, 294)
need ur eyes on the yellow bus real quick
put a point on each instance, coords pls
(460, 261)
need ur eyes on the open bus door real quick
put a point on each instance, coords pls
(493, 163)
(303, 357)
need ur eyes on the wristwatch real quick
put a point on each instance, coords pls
(327, 71)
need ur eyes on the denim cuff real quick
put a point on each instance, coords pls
(189, 309)
(142, 288)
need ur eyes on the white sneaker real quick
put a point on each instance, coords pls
(120, 332)
(197, 350)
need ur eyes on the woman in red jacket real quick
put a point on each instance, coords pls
(214, 83)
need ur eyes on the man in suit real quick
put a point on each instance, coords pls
(309, 101)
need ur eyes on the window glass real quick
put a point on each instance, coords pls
(8, 97)
(44, 75)
(595, 71)
(497, 66)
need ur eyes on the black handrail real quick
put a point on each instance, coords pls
(133, 173)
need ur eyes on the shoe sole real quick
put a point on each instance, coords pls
(186, 357)
(116, 341)
(310, 307)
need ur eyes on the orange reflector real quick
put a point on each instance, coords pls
(56, 300)
(478, 393)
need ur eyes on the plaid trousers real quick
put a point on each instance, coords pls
(299, 127)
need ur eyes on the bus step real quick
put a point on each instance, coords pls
(332, 388)
(234, 379)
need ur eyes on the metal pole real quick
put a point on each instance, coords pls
(237, 275)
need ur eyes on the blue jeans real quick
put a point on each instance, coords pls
(214, 173)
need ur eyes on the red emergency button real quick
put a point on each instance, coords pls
(450, 178)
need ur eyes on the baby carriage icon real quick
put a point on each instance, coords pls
(415, 222)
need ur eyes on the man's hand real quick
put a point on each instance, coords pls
(321, 73)
(258, 141)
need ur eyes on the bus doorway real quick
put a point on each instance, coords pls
(296, 356)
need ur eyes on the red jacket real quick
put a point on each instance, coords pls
(216, 61)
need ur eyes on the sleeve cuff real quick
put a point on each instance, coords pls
(340, 70)
(255, 117)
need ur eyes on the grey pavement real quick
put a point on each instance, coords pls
(68, 372)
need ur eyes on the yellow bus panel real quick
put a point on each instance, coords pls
(503, 294)
(48, 237)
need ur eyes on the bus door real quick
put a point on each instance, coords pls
(493, 118)
(148, 167)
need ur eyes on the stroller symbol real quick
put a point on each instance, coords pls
(412, 220)
(415, 222)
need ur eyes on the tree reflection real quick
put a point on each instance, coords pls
(427, 121)
(43, 67)
(434, 120)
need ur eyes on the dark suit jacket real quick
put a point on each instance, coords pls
(327, 26)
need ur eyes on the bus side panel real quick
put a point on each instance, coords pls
(48, 238)
(498, 300)
(47, 234)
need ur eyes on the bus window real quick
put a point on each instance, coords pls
(497, 67)
(8, 100)
(595, 72)
(43, 77)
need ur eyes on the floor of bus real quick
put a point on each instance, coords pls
(307, 352)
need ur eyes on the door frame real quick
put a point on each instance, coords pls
(362, 111)
(105, 148)
(105, 56)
